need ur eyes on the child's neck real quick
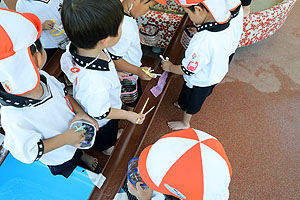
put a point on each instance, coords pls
(37, 93)
(93, 53)
(209, 18)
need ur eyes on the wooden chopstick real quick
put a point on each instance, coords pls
(149, 110)
(145, 105)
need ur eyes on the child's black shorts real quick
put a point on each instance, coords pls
(66, 168)
(140, 92)
(191, 99)
(106, 136)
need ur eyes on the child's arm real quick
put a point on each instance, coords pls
(170, 67)
(127, 115)
(123, 65)
(80, 113)
(70, 137)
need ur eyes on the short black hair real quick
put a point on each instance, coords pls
(192, 8)
(36, 47)
(86, 22)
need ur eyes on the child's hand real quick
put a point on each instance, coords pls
(246, 10)
(86, 117)
(121, 75)
(48, 25)
(166, 65)
(139, 192)
(73, 138)
(135, 118)
(143, 75)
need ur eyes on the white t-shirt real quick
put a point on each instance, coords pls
(207, 56)
(2, 4)
(25, 127)
(129, 45)
(97, 91)
(45, 10)
(237, 23)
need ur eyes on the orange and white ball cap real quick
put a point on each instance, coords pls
(188, 164)
(18, 72)
(219, 9)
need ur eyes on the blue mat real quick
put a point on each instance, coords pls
(19, 181)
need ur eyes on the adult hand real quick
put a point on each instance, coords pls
(139, 192)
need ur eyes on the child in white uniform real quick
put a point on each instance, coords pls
(36, 113)
(93, 25)
(46, 10)
(127, 53)
(219, 28)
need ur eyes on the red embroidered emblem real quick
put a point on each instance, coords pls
(7, 86)
(192, 66)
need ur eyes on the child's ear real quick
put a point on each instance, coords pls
(104, 42)
(38, 59)
(199, 10)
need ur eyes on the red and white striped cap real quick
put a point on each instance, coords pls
(219, 9)
(188, 164)
(18, 72)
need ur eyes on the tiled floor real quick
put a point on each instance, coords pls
(255, 113)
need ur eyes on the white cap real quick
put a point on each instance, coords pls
(219, 9)
(18, 72)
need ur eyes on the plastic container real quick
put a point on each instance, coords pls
(187, 35)
(129, 92)
(133, 174)
(149, 34)
(89, 133)
(60, 36)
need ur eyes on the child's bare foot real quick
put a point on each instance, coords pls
(178, 125)
(176, 105)
(108, 151)
(90, 161)
(120, 131)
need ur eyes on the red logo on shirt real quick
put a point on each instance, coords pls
(192, 66)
